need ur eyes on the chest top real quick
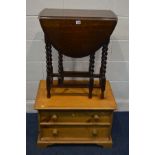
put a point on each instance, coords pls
(74, 14)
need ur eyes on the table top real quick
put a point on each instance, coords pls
(70, 13)
(74, 98)
(77, 33)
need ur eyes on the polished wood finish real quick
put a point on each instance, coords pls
(49, 69)
(77, 40)
(91, 72)
(103, 68)
(60, 69)
(71, 118)
(60, 132)
(73, 98)
(89, 116)
(77, 33)
(78, 13)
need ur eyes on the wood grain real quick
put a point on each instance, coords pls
(104, 142)
(69, 13)
(74, 98)
(77, 40)
(77, 33)
(67, 118)
(76, 116)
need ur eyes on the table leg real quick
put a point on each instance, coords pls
(49, 69)
(103, 69)
(91, 71)
(60, 69)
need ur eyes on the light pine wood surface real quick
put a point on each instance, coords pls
(74, 98)
(70, 117)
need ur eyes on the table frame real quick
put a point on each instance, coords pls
(89, 74)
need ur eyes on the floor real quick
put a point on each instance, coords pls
(120, 135)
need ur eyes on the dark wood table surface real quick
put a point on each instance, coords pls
(77, 33)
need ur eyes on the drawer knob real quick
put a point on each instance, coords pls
(94, 132)
(54, 117)
(55, 132)
(73, 115)
(96, 117)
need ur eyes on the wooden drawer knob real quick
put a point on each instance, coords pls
(54, 117)
(94, 132)
(73, 114)
(55, 132)
(96, 117)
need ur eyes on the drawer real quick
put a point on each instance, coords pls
(74, 132)
(75, 116)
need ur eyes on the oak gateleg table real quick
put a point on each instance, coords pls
(77, 33)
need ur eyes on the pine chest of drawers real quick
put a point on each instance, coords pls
(74, 119)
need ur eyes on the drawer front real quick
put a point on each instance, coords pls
(68, 132)
(75, 116)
